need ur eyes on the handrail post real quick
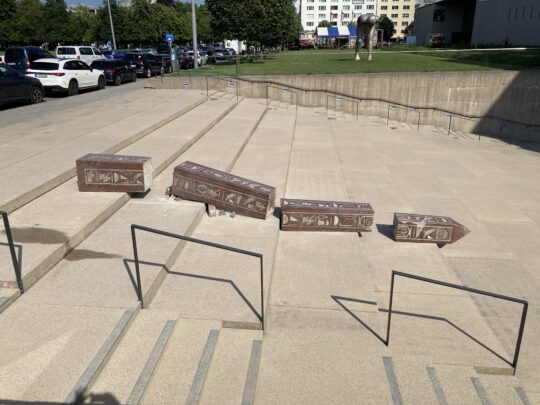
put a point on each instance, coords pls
(137, 270)
(357, 106)
(262, 292)
(449, 123)
(520, 336)
(418, 124)
(16, 266)
(236, 85)
(390, 309)
(207, 94)
(388, 115)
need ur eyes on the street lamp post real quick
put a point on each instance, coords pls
(194, 31)
(112, 28)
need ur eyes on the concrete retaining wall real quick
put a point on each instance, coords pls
(509, 95)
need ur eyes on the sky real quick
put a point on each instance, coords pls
(100, 2)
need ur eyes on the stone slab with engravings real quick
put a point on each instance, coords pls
(325, 216)
(192, 181)
(427, 229)
(114, 173)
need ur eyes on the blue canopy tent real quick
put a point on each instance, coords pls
(333, 32)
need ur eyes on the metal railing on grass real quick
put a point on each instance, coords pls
(468, 289)
(16, 266)
(198, 241)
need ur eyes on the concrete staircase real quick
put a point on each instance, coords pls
(79, 331)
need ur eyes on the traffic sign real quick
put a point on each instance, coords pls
(169, 37)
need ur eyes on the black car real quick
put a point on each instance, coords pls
(116, 71)
(21, 57)
(184, 60)
(16, 87)
(165, 62)
(145, 64)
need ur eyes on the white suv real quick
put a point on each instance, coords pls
(87, 54)
(66, 75)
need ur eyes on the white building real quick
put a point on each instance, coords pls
(337, 12)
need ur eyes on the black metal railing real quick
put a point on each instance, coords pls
(454, 114)
(341, 98)
(16, 266)
(282, 89)
(198, 241)
(468, 289)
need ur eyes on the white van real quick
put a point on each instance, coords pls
(85, 53)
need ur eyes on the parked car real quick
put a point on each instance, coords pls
(66, 75)
(21, 57)
(16, 87)
(184, 60)
(115, 71)
(145, 64)
(201, 58)
(114, 54)
(85, 53)
(165, 62)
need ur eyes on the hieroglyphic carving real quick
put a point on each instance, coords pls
(97, 172)
(196, 182)
(330, 216)
(427, 228)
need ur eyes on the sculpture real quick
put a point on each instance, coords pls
(365, 28)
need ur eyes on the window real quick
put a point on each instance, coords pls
(309, 24)
(395, 7)
(310, 16)
(403, 31)
(333, 8)
(322, 16)
(86, 51)
(394, 15)
(310, 8)
(357, 7)
(370, 7)
(384, 7)
(322, 8)
(349, 7)
(383, 15)
(404, 23)
(406, 7)
(405, 15)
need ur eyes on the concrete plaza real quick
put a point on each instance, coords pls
(79, 329)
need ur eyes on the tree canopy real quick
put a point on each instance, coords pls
(387, 26)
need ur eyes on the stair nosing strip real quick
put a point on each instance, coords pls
(392, 381)
(522, 395)
(436, 384)
(202, 369)
(480, 391)
(252, 373)
(91, 372)
(151, 363)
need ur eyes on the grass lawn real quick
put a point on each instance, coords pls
(327, 61)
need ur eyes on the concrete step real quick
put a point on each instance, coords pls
(504, 390)
(48, 169)
(48, 235)
(180, 374)
(232, 375)
(130, 367)
(416, 379)
(95, 274)
(229, 284)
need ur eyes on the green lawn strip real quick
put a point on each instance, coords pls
(342, 61)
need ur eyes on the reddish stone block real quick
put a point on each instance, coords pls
(196, 182)
(114, 173)
(427, 229)
(325, 216)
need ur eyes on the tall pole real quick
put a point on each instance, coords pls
(112, 28)
(194, 30)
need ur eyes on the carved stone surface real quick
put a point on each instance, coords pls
(325, 216)
(117, 173)
(196, 182)
(427, 229)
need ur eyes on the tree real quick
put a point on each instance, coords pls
(237, 19)
(387, 26)
(102, 27)
(30, 23)
(82, 24)
(324, 23)
(56, 19)
(8, 12)
(410, 28)
(167, 3)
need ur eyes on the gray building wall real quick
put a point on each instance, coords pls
(515, 22)
(458, 17)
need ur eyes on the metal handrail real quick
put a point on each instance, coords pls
(201, 242)
(396, 103)
(16, 266)
(469, 289)
(341, 98)
(282, 88)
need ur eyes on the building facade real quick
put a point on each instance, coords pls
(480, 22)
(336, 12)
(401, 12)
